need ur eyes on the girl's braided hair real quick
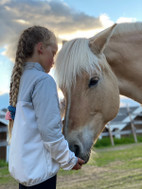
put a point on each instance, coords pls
(25, 49)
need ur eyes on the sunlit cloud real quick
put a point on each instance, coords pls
(21, 21)
(1, 92)
(2, 52)
(106, 21)
(4, 91)
(56, 15)
(80, 34)
(125, 19)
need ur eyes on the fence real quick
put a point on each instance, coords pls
(3, 143)
(118, 133)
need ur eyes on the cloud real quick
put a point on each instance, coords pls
(125, 19)
(56, 15)
(106, 21)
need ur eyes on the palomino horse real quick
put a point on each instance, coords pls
(92, 73)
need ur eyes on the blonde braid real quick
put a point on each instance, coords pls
(15, 78)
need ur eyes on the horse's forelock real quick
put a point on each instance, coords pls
(74, 57)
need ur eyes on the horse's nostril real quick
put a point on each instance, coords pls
(76, 150)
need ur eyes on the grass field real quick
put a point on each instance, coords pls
(118, 167)
(106, 142)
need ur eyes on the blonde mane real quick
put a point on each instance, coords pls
(74, 57)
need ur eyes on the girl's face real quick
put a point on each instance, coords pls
(47, 57)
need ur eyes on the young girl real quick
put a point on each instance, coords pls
(38, 148)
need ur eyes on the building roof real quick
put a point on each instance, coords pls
(124, 116)
(2, 117)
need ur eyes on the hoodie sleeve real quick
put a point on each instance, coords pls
(46, 106)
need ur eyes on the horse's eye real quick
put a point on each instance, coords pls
(93, 81)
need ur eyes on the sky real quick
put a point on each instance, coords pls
(68, 19)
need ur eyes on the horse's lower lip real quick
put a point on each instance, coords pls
(86, 162)
(85, 157)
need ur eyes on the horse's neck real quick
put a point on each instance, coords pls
(125, 58)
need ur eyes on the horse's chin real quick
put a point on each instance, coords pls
(85, 156)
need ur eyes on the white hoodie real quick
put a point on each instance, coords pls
(38, 148)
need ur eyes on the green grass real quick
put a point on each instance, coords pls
(123, 140)
(3, 163)
(69, 172)
(5, 177)
(130, 156)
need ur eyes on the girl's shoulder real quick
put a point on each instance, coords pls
(35, 76)
(46, 78)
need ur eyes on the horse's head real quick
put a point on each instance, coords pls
(90, 89)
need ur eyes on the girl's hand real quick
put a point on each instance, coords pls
(79, 164)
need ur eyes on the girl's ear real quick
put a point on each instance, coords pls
(40, 48)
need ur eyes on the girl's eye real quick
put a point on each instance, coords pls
(93, 82)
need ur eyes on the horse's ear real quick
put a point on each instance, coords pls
(98, 42)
